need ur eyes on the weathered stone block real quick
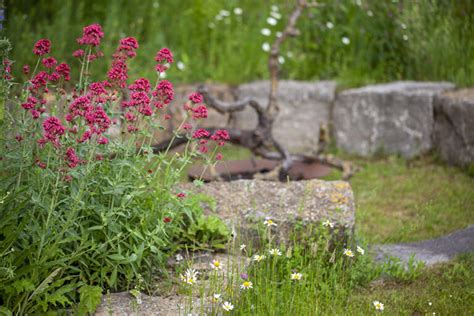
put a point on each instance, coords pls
(243, 203)
(396, 118)
(454, 126)
(304, 107)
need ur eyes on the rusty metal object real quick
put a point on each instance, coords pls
(246, 169)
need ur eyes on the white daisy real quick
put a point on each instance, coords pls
(272, 21)
(258, 258)
(327, 223)
(179, 257)
(216, 265)
(227, 306)
(360, 250)
(348, 253)
(266, 47)
(296, 276)
(269, 222)
(345, 40)
(189, 277)
(266, 32)
(242, 247)
(216, 297)
(246, 285)
(378, 305)
(275, 252)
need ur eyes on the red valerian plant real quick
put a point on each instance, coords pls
(105, 208)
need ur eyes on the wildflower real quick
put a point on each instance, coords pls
(345, 40)
(429, 303)
(216, 265)
(238, 11)
(26, 69)
(195, 97)
(42, 47)
(275, 252)
(49, 62)
(78, 53)
(242, 247)
(164, 54)
(244, 276)
(266, 47)
(278, 34)
(102, 141)
(167, 219)
(164, 92)
(216, 297)
(281, 59)
(71, 158)
(181, 195)
(227, 306)
(272, 21)
(180, 65)
(246, 285)
(189, 277)
(348, 253)
(166, 117)
(268, 222)
(224, 13)
(360, 250)
(91, 35)
(258, 258)
(329, 25)
(274, 8)
(327, 223)
(266, 32)
(219, 156)
(118, 73)
(370, 13)
(64, 70)
(220, 136)
(200, 112)
(201, 133)
(296, 276)
(378, 305)
(405, 37)
(179, 257)
(128, 46)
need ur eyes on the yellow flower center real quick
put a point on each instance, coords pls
(246, 284)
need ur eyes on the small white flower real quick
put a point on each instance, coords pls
(378, 305)
(211, 25)
(275, 252)
(218, 17)
(296, 276)
(329, 25)
(242, 247)
(189, 277)
(281, 59)
(370, 13)
(278, 34)
(405, 37)
(345, 40)
(216, 265)
(327, 223)
(266, 32)
(180, 65)
(429, 303)
(359, 2)
(216, 297)
(289, 54)
(404, 26)
(227, 306)
(238, 11)
(276, 15)
(266, 47)
(360, 250)
(258, 258)
(163, 74)
(272, 21)
(246, 285)
(269, 222)
(348, 253)
(179, 257)
(274, 8)
(224, 13)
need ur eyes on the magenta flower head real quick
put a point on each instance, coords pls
(42, 47)
(91, 35)
(128, 45)
(195, 97)
(164, 54)
(49, 62)
(244, 276)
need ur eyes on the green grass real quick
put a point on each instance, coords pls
(421, 40)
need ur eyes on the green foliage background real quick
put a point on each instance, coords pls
(389, 40)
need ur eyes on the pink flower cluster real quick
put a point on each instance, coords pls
(118, 73)
(163, 56)
(91, 35)
(220, 136)
(197, 110)
(42, 47)
(52, 131)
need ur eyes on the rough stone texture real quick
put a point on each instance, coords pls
(454, 126)
(396, 118)
(304, 107)
(431, 251)
(243, 203)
